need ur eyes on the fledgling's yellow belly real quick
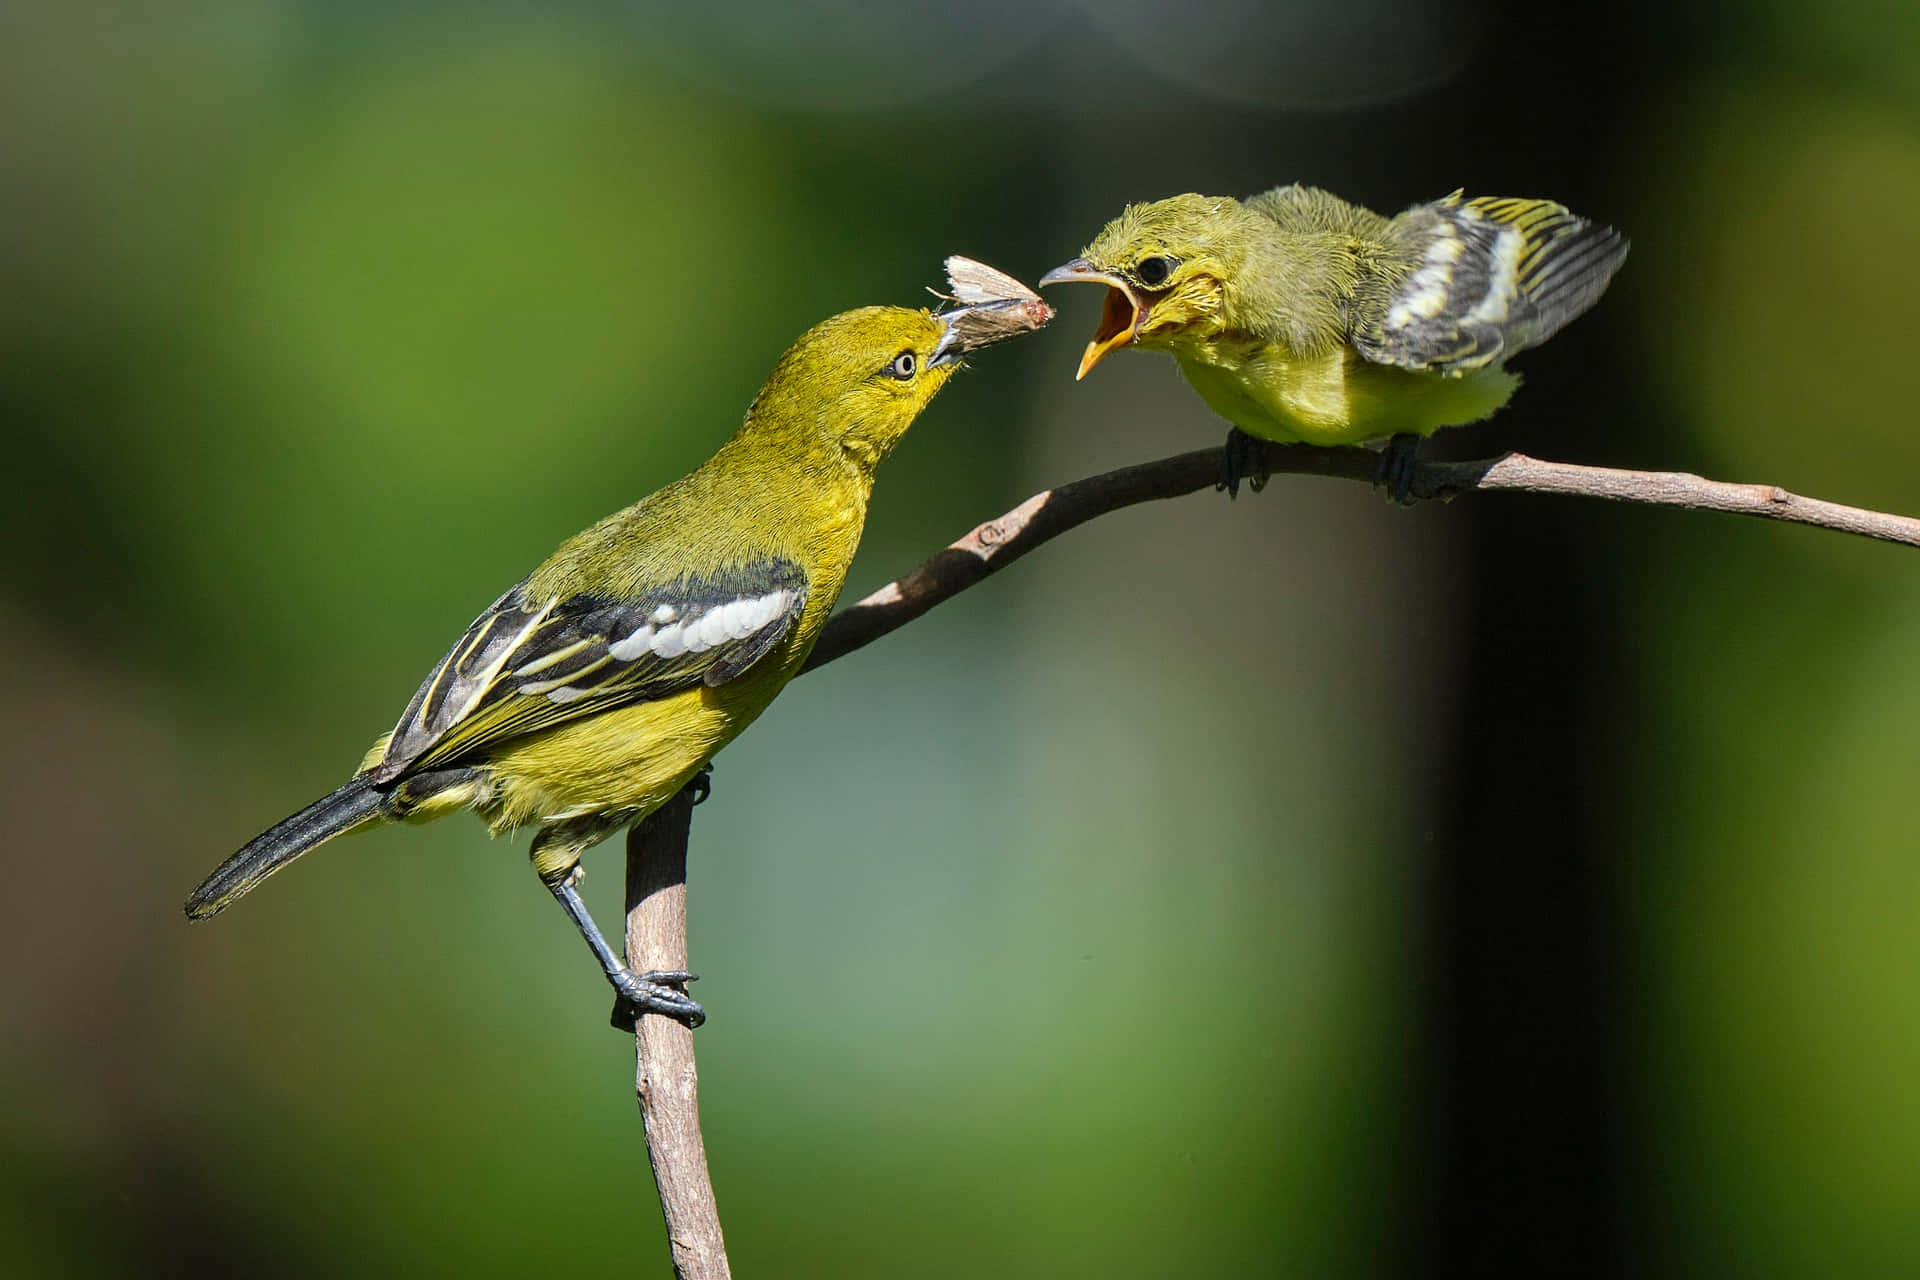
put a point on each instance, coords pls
(1338, 398)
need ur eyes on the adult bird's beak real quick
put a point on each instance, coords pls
(1120, 317)
(985, 323)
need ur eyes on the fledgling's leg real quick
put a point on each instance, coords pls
(556, 856)
(1395, 468)
(1243, 458)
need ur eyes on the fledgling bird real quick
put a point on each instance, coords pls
(1300, 317)
(596, 688)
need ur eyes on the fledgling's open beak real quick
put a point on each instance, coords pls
(1120, 316)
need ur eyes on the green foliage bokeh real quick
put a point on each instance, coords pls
(1075, 930)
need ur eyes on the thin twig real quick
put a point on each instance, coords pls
(657, 848)
(999, 542)
(665, 1076)
(1517, 473)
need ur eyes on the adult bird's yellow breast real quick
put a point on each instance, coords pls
(629, 759)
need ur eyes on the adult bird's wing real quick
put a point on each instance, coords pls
(1488, 277)
(528, 664)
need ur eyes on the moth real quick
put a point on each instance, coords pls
(993, 305)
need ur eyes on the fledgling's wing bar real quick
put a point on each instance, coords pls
(1491, 277)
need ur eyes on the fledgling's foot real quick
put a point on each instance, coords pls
(1243, 458)
(702, 784)
(1396, 466)
(662, 991)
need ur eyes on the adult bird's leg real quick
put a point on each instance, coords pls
(655, 991)
(1395, 468)
(1243, 458)
(556, 856)
(627, 1012)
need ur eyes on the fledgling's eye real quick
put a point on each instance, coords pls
(1153, 272)
(903, 366)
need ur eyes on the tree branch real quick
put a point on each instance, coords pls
(999, 542)
(657, 847)
(665, 1075)
(1517, 473)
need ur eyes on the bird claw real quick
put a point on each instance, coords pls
(1394, 471)
(661, 991)
(1243, 458)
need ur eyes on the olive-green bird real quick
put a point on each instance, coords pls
(597, 687)
(1300, 317)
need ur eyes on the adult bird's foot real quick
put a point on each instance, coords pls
(662, 991)
(1243, 458)
(1396, 467)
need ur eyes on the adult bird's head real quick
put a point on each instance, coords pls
(851, 386)
(1166, 266)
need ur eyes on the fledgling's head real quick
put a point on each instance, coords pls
(854, 383)
(1167, 266)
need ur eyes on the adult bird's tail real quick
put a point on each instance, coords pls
(281, 843)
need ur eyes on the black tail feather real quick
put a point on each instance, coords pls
(281, 843)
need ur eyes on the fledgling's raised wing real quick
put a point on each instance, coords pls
(1489, 277)
(529, 664)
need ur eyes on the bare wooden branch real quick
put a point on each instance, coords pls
(657, 848)
(999, 542)
(665, 1076)
(1517, 473)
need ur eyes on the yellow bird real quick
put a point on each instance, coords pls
(597, 687)
(1300, 317)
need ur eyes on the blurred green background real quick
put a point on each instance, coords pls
(1288, 887)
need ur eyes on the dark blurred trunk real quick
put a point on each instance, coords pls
(1526, 1108)
(1528, 1155)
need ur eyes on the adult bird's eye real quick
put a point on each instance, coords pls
(901, 366)
(1153, 272)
